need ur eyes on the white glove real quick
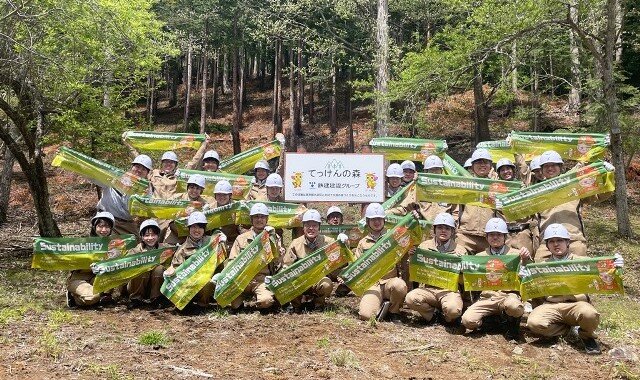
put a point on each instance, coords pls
(169, 272)
(525, 254)
(618, 261)
(216, 277)
(523, 272)
(415, 214)
(269, 229)
(223, 237)
(97, 270)
(280, 137)
(343, 238)
(609, 167)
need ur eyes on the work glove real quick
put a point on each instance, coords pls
(223, 237)
(415, 214)
(618, 261)
(269, 229)
(97, 270)
(525, 255)
(169, 272)
(343, 238)
(609, 167)
(280, 137)
(216, 277)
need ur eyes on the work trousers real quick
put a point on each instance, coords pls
(393, 290)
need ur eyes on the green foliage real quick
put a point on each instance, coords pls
(154, 338)
(344, 358)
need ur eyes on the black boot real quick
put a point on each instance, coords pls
(513, 328)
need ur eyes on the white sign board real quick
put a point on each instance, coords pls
(327, 177)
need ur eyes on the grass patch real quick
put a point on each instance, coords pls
(111, 372)
(154, 338)
(218, 313)
(619, 318)
(9, 315)
(49, 345)
(344, 358)
(323, 342)
(346, 322)
(59, 316)
(373, 322)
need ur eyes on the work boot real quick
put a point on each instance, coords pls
(395, 318)
(71, 302)
(591, 346)
(513, 328)
(455, 327)
(342, 290)
(384, 310)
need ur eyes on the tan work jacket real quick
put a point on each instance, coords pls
(163, 185)
(300, 248)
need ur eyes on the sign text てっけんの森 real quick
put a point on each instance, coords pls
(324, 177)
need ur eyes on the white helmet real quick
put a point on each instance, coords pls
(311, 215)
(223, 187)
(274, 180)
(171, 156)
(496, 225)
(262, 164)
(481, 154)
(556, 230)
(196, 217)
(149, 223)
(550, 157)
(504, 162)
(468, 163)
(259, 209)
(211, 154)
(333, 209)
(433, 161)
(408, 165)
(374, 210)
(535, 163)
(144, 160)
(197, 179)
(444, 218)
(104, 215)
(395, 170)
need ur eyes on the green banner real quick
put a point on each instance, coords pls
(377, 261)
(393, 201)
(281, 215)
(163, 140)
(462, 190)
(216, 218)
(294, 280)
(595, 275)
(99, 172)
(120, 270)
(452, 167)
(235, 277)
(583, 147)
(575, 184)
(77, 253)
(244, 162)
(352, 231)
(399, 148)
(192, 275)
(498, 149)
(392, 220)
(441, 270)
(498, 272)
(162, 208)
(240, 184)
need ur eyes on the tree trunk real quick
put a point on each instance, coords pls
(214, 84)
(350, 113)
(174, 79)
(312, 103)
(5, 182)
(480, 107)
(226, 88)
(333, 103)
(619, 20)
(262, 71)
(514, 64)
(300, 88)
(277, 88)
(536, 98)
(187, 92)
(242, 75)
(198, 73)
(203, 94)
(611, 112)
(573, 104)
(382, 63)
(236, 97)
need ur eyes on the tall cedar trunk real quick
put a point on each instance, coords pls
(226, 88)
(312, 103)
(262, 72)
(382, 62)
(154, 100)
(480, 107)
(235, 85)
(214, 84)
(277, 88)
(198, 68)
(203, 93)
(333, 103)
(300, 87)
(254, 69)
(536, 98)
(619, 20)
(514, 65)
(148, 98)
(5, 182)
(552, 84)
(241, 78)
(611, 110)
(573, 104)
(293, 103)
(187, 93)
(174, 80)
(350, 113)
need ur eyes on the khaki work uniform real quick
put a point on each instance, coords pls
(493, 302)
(300, 248)
(567, 214)
(471, 223)
(557, 314)
(196, 161)
(426, 299)
(258, 191)
(264, 297)
(185, 251)
(391, 287)
(426, 210)
(163, 184)
(80, 285)
(146, 285)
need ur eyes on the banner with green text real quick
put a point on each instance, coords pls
(462, 190)
(377, 261)
(240, 184)
(400, 148)
(583, 147)
(441, 270)
(145, 140)
(216, 218)
(235, 277)
(281, 214)
(294, 280)
(498, 149)
(576, 184)
(353, 232)
(192, 275)
(77, 253)
(452, 167)
(147, 207)
(245, 161)
(595, 275)
(119, 270)
(497, 272)
(99, 172)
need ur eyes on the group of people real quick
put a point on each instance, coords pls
(552, 235)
